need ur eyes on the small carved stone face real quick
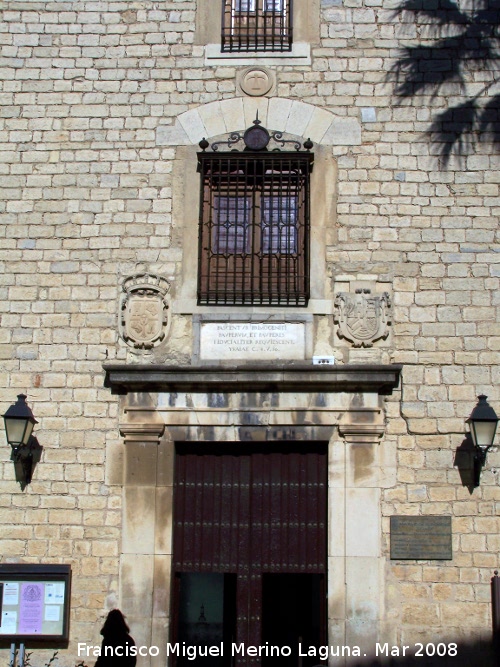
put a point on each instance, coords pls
(256, 81)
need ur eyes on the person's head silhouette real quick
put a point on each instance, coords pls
(115, 624)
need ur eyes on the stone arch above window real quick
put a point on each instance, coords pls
(277, 113)
(217, 119)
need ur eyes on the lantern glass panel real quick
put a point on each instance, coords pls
(18, 431)
(483, 433)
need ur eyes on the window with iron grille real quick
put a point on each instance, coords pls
(254, 227)
(256, 25)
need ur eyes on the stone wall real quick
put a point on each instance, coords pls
(95, 137)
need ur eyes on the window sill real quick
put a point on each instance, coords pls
(188, 306)
(299, 55)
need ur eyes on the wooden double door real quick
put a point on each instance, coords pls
(250, 526)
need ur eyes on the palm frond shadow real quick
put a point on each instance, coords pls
(423, 70)
(489, 121)
(452, 131)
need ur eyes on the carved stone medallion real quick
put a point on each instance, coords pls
(256, 81)
(362, 317)
(144, 317)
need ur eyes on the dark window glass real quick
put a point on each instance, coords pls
(250, 5)
(279, 225)
(244, 6)
(231, 224)
(205, 603)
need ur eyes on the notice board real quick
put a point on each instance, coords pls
(34, 602)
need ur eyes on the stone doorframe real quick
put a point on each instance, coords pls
(342, 405)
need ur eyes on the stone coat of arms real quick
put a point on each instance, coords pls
(144, 310)
(362, 317)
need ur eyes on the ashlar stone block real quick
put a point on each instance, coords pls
(363, 529)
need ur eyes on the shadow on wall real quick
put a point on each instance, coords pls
(460, 37)
(464, 461)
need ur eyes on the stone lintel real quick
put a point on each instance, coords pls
(361, 434)
(149, 433)
(371, 378)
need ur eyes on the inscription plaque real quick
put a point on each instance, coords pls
(421, 538)
(252, 340)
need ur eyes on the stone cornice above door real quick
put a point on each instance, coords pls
(378, 379)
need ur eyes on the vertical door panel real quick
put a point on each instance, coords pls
(248, 510)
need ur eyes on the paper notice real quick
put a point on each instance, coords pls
(52, 613)
(9, 623)
(31, 609)
(10, 594)
(54, 593)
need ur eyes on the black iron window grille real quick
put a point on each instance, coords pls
(254, 222)
(256, 25)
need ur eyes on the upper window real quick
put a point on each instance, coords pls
(256, 25)
(254, 224)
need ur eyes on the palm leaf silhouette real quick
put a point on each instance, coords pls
(442, 12)
(425, 68)
(489, 121)
(451, 131)
(454, 44)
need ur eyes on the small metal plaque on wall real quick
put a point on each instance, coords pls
(421, 538)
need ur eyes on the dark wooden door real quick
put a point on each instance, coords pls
(249, 512)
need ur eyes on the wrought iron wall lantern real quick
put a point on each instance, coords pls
(19, 423)
(483, 425)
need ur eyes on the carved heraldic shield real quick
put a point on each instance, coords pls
(362, 317)
(144, 307)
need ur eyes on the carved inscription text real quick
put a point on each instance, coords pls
(256, 341)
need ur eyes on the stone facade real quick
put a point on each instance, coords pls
(102, 107)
